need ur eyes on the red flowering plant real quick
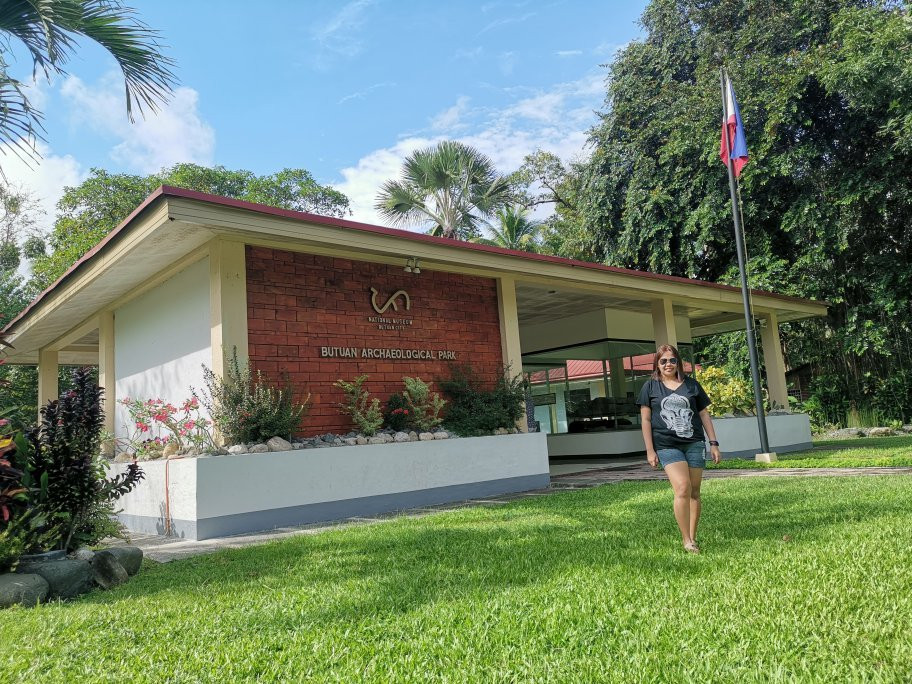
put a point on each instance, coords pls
(156, 423)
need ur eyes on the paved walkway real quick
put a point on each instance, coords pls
(165, 549)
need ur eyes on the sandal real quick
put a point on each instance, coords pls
(692, 548)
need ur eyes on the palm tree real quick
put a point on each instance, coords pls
(49, 30)
(451, 186)
(514, 230)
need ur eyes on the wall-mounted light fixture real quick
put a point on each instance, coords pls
(412, 266)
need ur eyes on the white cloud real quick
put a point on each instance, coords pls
(565, 114)
(507, 20)
(568, 53)
(340, 35)
(176, 133)
(361, 94)
(451, 119)
(506, 62)
(45, 178)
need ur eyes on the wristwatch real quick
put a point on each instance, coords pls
(713, 442)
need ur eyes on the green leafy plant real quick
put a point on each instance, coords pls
(397, 416)
(247, 407)
(477, 408)
(65, 471)
(425, 407)
(364, 411)
(727, 394)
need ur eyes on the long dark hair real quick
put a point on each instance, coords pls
(679, 369)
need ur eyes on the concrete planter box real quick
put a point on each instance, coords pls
(740, 437)
(223, 495)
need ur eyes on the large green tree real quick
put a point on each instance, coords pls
(825, 88)
(449, 188)
(513, 229)
(49, 30)
(89, 211)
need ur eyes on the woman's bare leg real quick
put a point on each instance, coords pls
(696, 479)
(679, 476)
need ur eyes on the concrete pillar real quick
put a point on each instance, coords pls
(663, 322)
(618, 380)
(47, 377)
(228, 303)
(509, 331)
(106, 375)
(772, 359)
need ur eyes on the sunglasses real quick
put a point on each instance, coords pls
(673, 361)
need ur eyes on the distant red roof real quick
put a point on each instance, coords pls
(581, 370)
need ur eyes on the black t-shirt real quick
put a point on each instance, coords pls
(675, 413)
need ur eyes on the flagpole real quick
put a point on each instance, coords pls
(745, 292)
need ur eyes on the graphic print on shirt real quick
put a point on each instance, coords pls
(676, 413)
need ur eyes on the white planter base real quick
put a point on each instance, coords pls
(224, 495)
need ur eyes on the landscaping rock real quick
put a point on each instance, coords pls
(123, 457)
(401, 437)
(130, 557)
(66, 578)
(377, 439)
(880, 432)
(237, 449)
(279, 444)
(258, 449)
(441, 435)
(337, 442)
(84, 553)
(26, 589)
(426, 436)
(413, 436)
(320, 444)
(845, 433)
(360, 439)
(906, 428)
(350, 441)
(107, 570)
(170, 450)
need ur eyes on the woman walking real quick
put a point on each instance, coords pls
(675, 424)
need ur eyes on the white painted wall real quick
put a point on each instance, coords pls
(614, 324)
(161, 340)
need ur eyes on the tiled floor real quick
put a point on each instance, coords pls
(565, 476)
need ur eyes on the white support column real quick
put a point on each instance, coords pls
(772, 359)
(228, 303)
(106, 375)
(47, 377)
(509, 332)
(663, 322)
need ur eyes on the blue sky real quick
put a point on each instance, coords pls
(344, 90)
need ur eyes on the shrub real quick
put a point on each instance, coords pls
(249, 408)
(424, 406)
(184, 426)
(65, 472)
(475, 410)
(397, 416)
(727, 394)
(364, 411)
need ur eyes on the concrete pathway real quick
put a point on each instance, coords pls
(594, 474)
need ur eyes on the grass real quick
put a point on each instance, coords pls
(800, 580)
(860, 452)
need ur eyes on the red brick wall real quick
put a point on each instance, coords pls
(298, 303)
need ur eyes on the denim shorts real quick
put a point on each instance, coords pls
(694, 454)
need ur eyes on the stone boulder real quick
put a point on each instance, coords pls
(170, 450)
(441, 435)
(107, 570)
(84, 553)
(130, 557)
(426, 436)
(361, 440)
(377, 439)
(401, 437)
(66, 578)
(880, 432)
(845, 433)
(237, 449)
(20, 588)
(258, 449)
(279, 444)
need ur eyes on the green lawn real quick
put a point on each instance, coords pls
(800, 580)
(839, 453)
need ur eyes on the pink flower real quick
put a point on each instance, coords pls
(3, 422)
(141, 426)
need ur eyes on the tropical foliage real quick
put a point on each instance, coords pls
(50, 31)
(448, 189)
(513, 230)
(364, 411)
(479, 407)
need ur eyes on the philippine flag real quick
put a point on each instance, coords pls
(732, 131)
